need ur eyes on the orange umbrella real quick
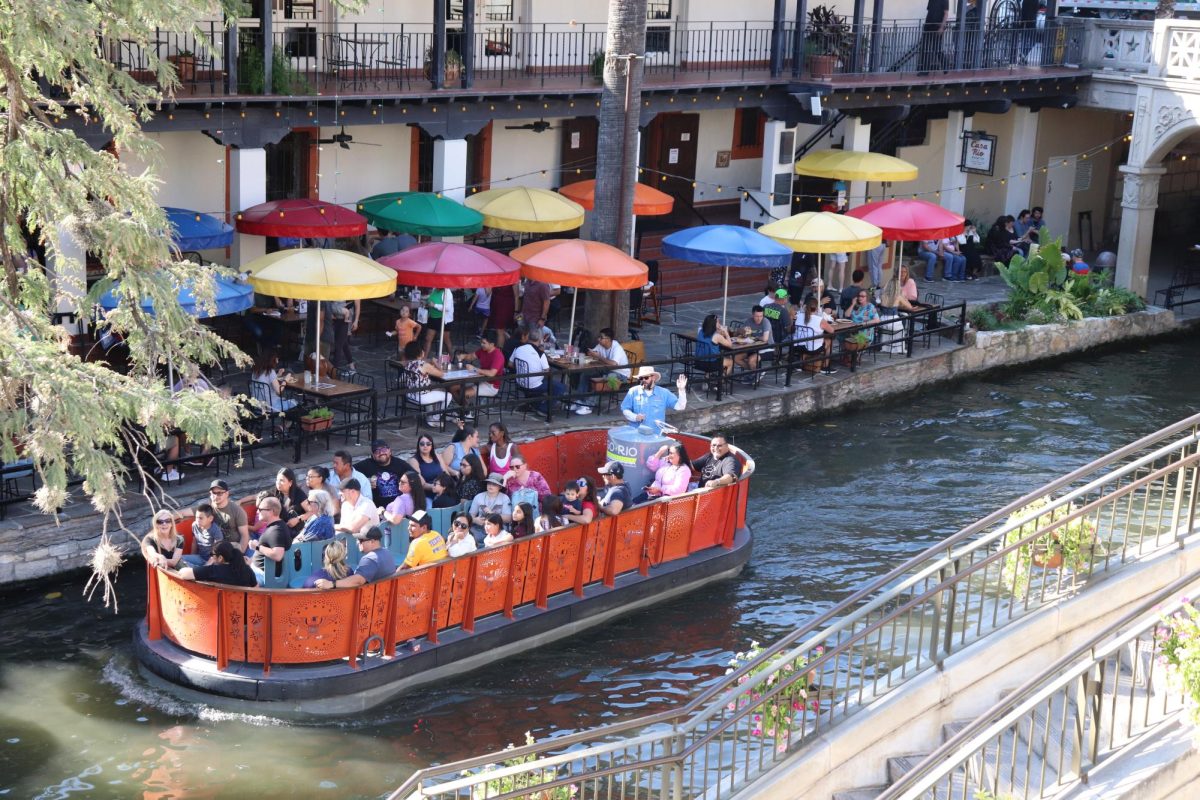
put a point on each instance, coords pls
(580, 264)
(647, 201)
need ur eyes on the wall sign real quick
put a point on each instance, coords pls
(673, 155)
(978, 153)
(723, 159)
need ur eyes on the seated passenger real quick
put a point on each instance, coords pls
(376, 562)
(227, 567)
(273, 543)
(522, 521)
(410, 499)
(454, 453)
(426, 546)
(445, 493)
(615, 497)
(719, 467)
(673, 473)
(587, 502)
(520, 476)
(320, 524)
(569, 499)
(551, 516)
(460, 541)
(335, 567)
(205, 536)
(472, 481)
(493, 531)
(358, 510)
(491, 501)
(162, 546)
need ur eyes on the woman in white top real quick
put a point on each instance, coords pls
(267, 371)
(493, 531)
(459, 542)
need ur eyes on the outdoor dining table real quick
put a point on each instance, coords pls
(327, 388)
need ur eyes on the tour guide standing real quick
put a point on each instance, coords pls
(375, 565)
(648, 402)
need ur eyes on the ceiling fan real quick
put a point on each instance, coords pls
(343, 140)
(537, 127)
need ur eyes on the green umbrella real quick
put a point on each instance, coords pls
(420, 213)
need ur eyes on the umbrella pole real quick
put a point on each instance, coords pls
(725, 299)
(317, 348)
(442, 337)
(571, 330)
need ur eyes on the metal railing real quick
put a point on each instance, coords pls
(1138, 499)
(1064, 722)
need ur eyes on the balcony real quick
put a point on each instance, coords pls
(373, 59)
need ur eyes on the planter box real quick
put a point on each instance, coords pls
(315, 423)
(822, 66)
(185, 67)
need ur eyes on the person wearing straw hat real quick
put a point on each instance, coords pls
(647, 403)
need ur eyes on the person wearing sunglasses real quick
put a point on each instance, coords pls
(647, 403)
(426, 462)
(162, 546)
(273, 543)
(460, 541)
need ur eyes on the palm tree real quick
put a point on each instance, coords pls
(616, 152)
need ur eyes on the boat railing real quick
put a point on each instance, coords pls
(1065, 722)
(1139, 499)
(274, 627)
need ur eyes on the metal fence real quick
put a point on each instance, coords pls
(1063, 723)
(1138, 499)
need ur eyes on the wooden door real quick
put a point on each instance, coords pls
(580, 136)
(669, 154)
(292, 165)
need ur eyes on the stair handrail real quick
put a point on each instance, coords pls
(672, 724)
(1035, 691)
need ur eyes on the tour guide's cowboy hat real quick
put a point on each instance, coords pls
(648, 372)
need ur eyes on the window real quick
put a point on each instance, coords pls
(748, 126)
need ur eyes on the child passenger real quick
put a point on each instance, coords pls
(205, 535)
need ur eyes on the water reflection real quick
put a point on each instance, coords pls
(837, 501)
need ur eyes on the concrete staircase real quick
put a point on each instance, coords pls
(1036, 755)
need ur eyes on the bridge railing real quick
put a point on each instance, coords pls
(1138, 499)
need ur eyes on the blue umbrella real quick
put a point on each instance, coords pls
(192, 230)
(231, 297)
(726, 246)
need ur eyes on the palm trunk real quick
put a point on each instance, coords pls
(616, 155)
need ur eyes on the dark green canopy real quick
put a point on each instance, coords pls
(420, 213)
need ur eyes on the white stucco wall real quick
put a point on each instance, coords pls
(716, 133)
(515, 153)
(190, 169)
(345, 176)
(984, 205)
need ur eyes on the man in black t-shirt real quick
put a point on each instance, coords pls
(383, 471)
(720, 466)
(937, 12)
(615, 496)
(777, 313)
(273, 543)
(797, 279)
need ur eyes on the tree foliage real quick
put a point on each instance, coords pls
(72, 417)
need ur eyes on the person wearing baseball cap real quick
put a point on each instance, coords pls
(615, 496)
(426, 546)
(375, 564)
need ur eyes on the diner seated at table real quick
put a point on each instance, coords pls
(267, 371)
(609, 352)
(758, 328)
(907, 301)
(548, 337)
(529, 361)
(814, 333)
(711, 336)
(825, 297)
(857, 282)
(417, 378)
(193, 380)
(862, 311)
(490, 363)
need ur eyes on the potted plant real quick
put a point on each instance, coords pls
(452, 70)
(317, 420)
(1070, 545)
(185, 65)
(858, 341)
(826, 39)
(596, 70)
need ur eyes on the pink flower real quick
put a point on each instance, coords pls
(731, 707)
(757, 732)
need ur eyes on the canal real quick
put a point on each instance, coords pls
(835, 502)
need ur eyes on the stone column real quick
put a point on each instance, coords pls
(953, 179)
(858, 139)
(1024, 141)
(247, 187)
(450, 167)
(1139, 199)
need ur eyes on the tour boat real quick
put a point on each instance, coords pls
(299, 652)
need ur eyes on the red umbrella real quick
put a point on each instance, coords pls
(301, 218)
(449, 265)
(910, 220)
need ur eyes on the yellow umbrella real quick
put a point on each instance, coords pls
(526, 210)
(823, 232)
(850, 165)
(314, 274)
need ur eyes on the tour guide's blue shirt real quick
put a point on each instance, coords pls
(653, 404)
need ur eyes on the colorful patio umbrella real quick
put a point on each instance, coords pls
(908, 221)
(580, 264)
(823, 232)
(448, 265)
(526, 210)
(726, 246)
(851, 165)
(191, 230)
(301, 218)
(647, 201)
(420, 213)
(316, 274)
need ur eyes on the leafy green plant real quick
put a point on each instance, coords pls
(776, 715)
(597, 66)
(285, 79)
(861, 339)
(827, 33)
(1110, 301)
(1042, 289)
(319, 413)
(1060, 304)
(1179, 645)
(1073, 541)
(531, 779)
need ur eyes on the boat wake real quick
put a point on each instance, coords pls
(120, 674)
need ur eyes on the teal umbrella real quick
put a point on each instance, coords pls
(420, 213)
